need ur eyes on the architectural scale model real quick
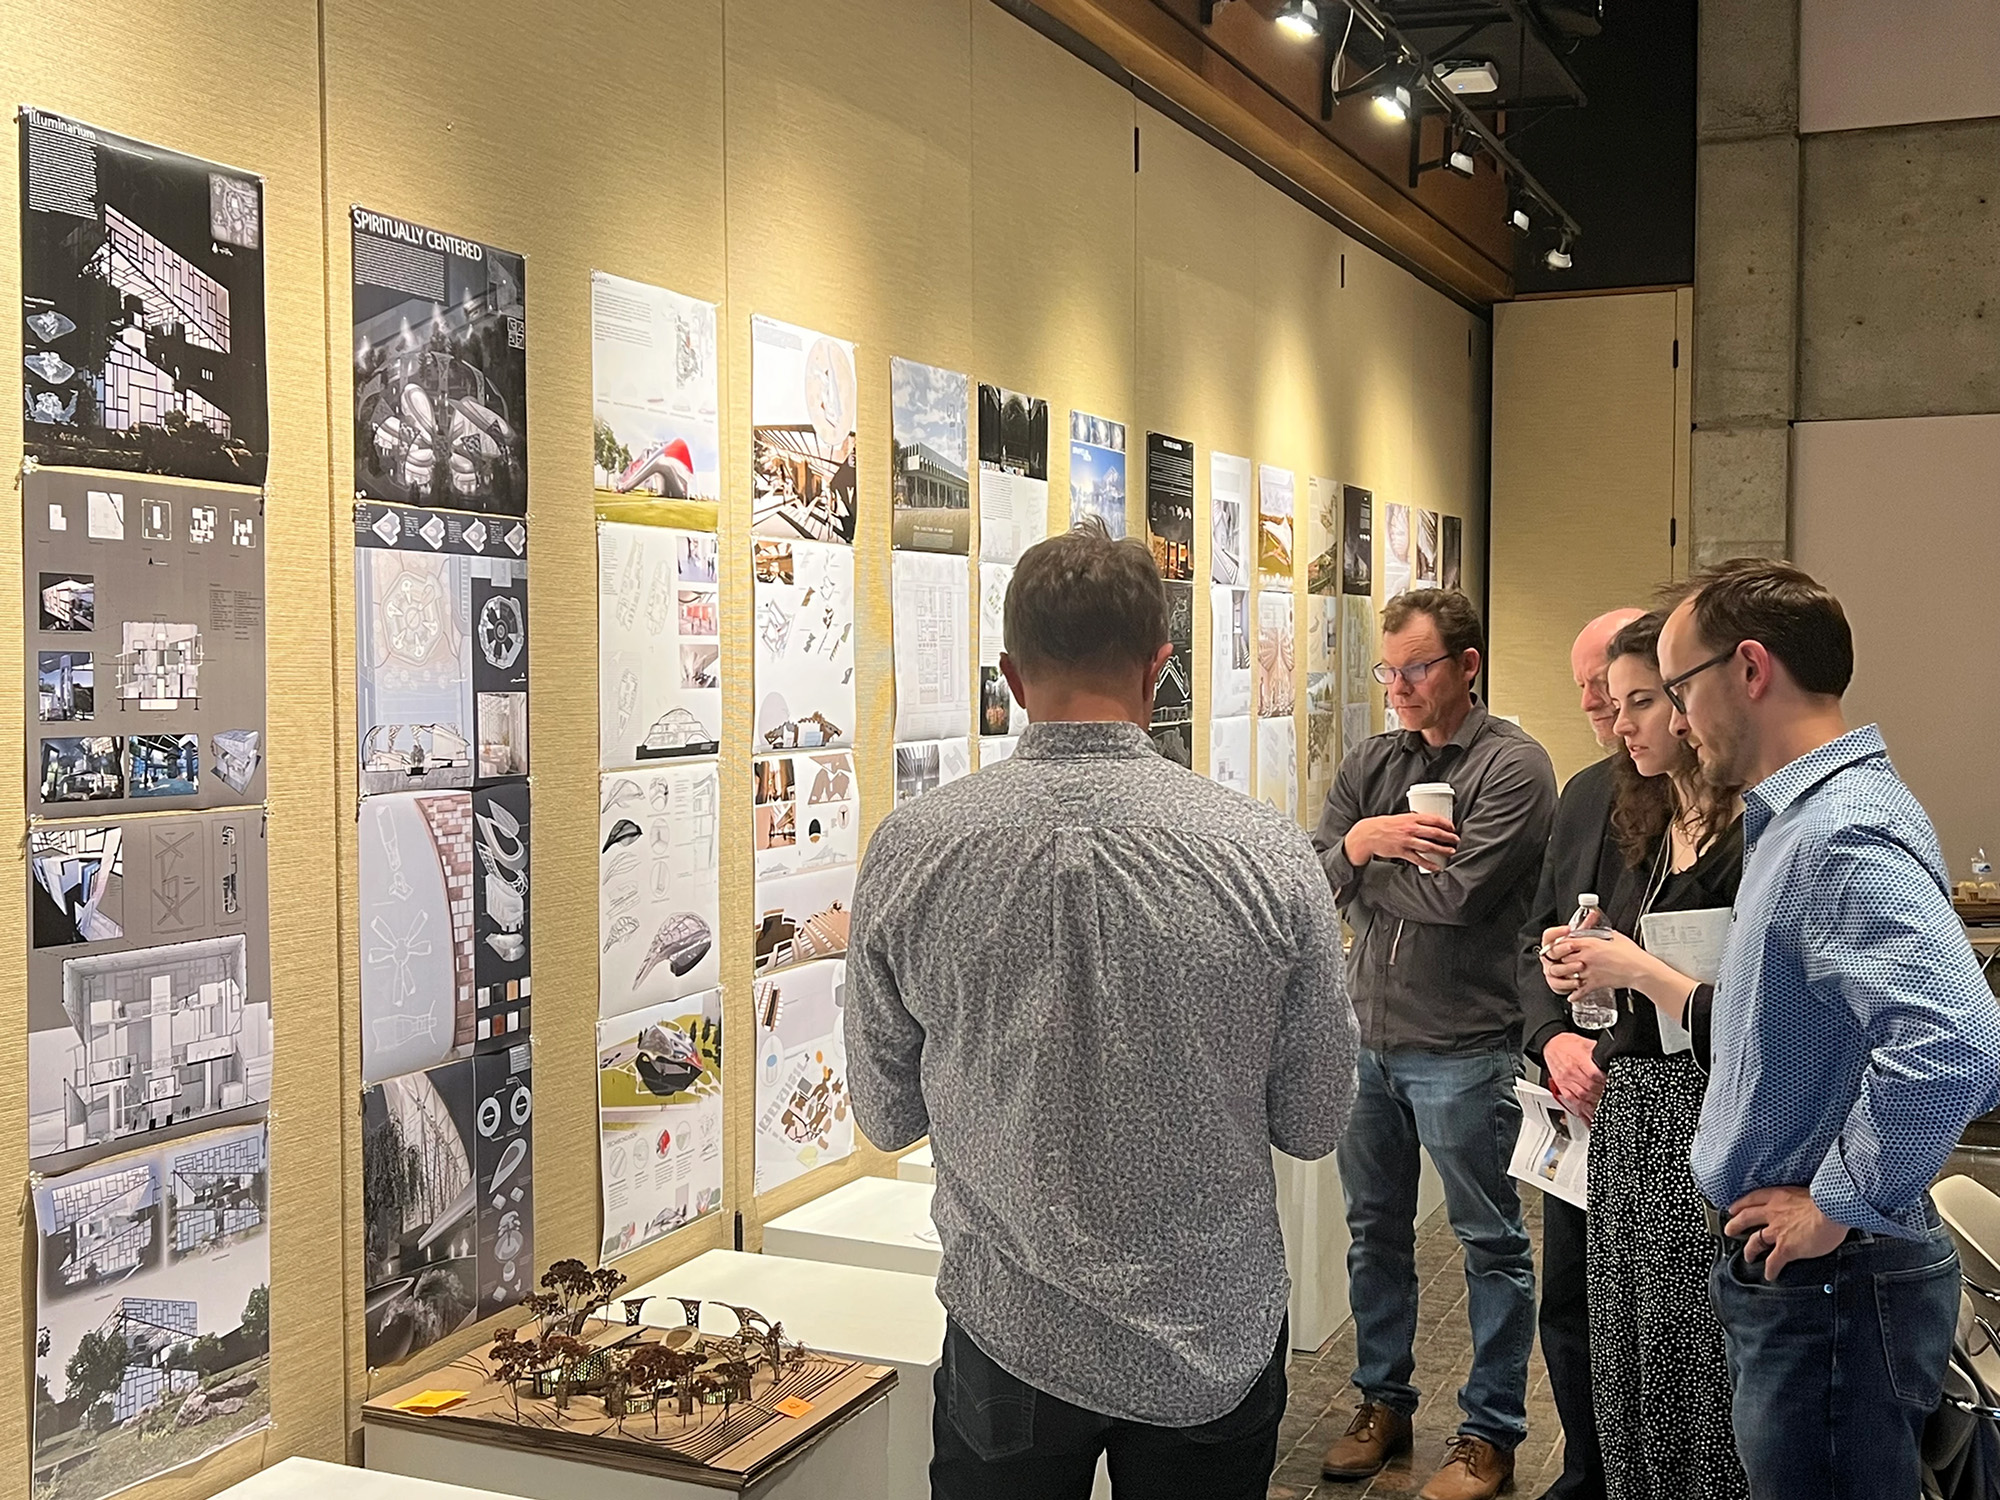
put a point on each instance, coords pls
(725, 1408)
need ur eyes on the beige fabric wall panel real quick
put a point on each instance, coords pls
(600, 164)
(1893, 516)
(1584, 443)
(236, 83)
(850, 212)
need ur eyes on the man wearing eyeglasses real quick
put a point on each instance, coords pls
(1853, 1039)
(1436, 905)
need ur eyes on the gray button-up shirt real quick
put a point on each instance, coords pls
(1106, 987)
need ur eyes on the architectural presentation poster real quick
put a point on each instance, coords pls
(1170, 504)
(1323, 536)
(416, 924)
(142, 291)
(153, 1312)
(1229, 514)
(803, 1118)
(1229, 752)
(1276, 655)
(658, 897)
(1229, 650)
(441, 646)
(924, 767)
(802, 407)
(805, 841)
(999, 714)
(448, 1207)
(1274, 526)
(659, 1119)
(144, 612)
(1173, 694)
(1097, 471)
(659, 645)
(1322, 641)
(1357, 656)
(933, 638)
(992, 751)
(654, 429)
(149, 979)
(1357, 540)
(1397, 550)
(1427, 549)
(440, 369)
(1175, 742)
(930, 428)
(1013, 473)
(1278, 765)
(1451, 549)
(803, 626)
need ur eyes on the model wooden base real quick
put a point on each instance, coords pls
(728, 1447)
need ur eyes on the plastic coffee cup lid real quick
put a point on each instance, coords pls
(1432, 789)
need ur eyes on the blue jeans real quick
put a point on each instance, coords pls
(1837, 1364)
(1462, 1109)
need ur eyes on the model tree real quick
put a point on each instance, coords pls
(565, 1354)
(572, 1292)
(647, 1368)
(514, 1359)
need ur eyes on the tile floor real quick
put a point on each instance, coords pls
(1322, 1402)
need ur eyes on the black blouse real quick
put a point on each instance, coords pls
(1710, 881)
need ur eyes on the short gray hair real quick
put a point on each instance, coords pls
(1084, 599)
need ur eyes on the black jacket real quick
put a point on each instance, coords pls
(1433, 965)
(1582, 856)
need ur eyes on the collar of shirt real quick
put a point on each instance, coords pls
(1414, 743)
(1084, 739)
(1789, 783)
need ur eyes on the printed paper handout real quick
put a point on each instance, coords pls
(1173, 694)
(1357, 546)
(806, 839)
(1274, 526)
(1323, 536)
(659, 645)
(1013, 473)
(142, 295)
(930, 421)
(1229, 751)
(144, 611)
(1278, 764)
(1276, 656)
(1553, 1150)
(1231, 547)
(999, 714)
(1229, 651)
(658, 896)
(1358, 690)
(802, 411)
(653, 388)
(1397, 548)
(1170, 504)
(440, 368)
(933, 642)
(1427, 549)
(153, 1311)
(803, 1114)
(659, 1119)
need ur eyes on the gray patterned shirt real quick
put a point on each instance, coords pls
(1106, 988)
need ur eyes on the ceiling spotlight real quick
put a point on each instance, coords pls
(1518, 218)
(1558, 259)
(1299, 19)
(1393, 103)
(1458, 159)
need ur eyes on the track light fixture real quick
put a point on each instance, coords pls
(1520, 215)
(1458, 155)
(1299, 19)
(1558, 259)
(1392, 101)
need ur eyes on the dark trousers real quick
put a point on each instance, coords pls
(1565, 1322)
(1837, 1364)
(998, 1438)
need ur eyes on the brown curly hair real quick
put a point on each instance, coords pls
(1643, 806)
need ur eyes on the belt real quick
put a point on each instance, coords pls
(1716, 1221)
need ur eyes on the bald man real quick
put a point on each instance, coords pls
(1581, 857)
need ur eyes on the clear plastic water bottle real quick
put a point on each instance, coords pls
(1592, 1010)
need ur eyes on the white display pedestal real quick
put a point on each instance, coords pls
(872, 1221)
(846, 1464)
(916, 1167)
(1313, 1216)
(857, 1312)
(309, 1479)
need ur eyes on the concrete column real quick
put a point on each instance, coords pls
(1746, 279)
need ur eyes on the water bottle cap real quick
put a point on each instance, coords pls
(1587, 898)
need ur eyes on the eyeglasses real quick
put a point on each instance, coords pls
(1413, 674)
(1672, 686)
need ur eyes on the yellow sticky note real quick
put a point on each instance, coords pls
(792, 1406)
(430, 1403)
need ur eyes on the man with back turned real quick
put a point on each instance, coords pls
(1106, 988)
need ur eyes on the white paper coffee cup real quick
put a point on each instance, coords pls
(1435, 798)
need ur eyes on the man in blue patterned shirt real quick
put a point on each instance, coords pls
(1854, 1037)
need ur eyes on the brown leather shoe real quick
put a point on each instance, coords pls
(1473, 1470)
(1375, 1436)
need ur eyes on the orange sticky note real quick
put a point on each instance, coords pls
(792, 1406)
(430, 1403)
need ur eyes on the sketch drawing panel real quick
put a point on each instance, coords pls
(659, 900)
(803, 628)
(803, 1116)
(659, 645)
(416, 930)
